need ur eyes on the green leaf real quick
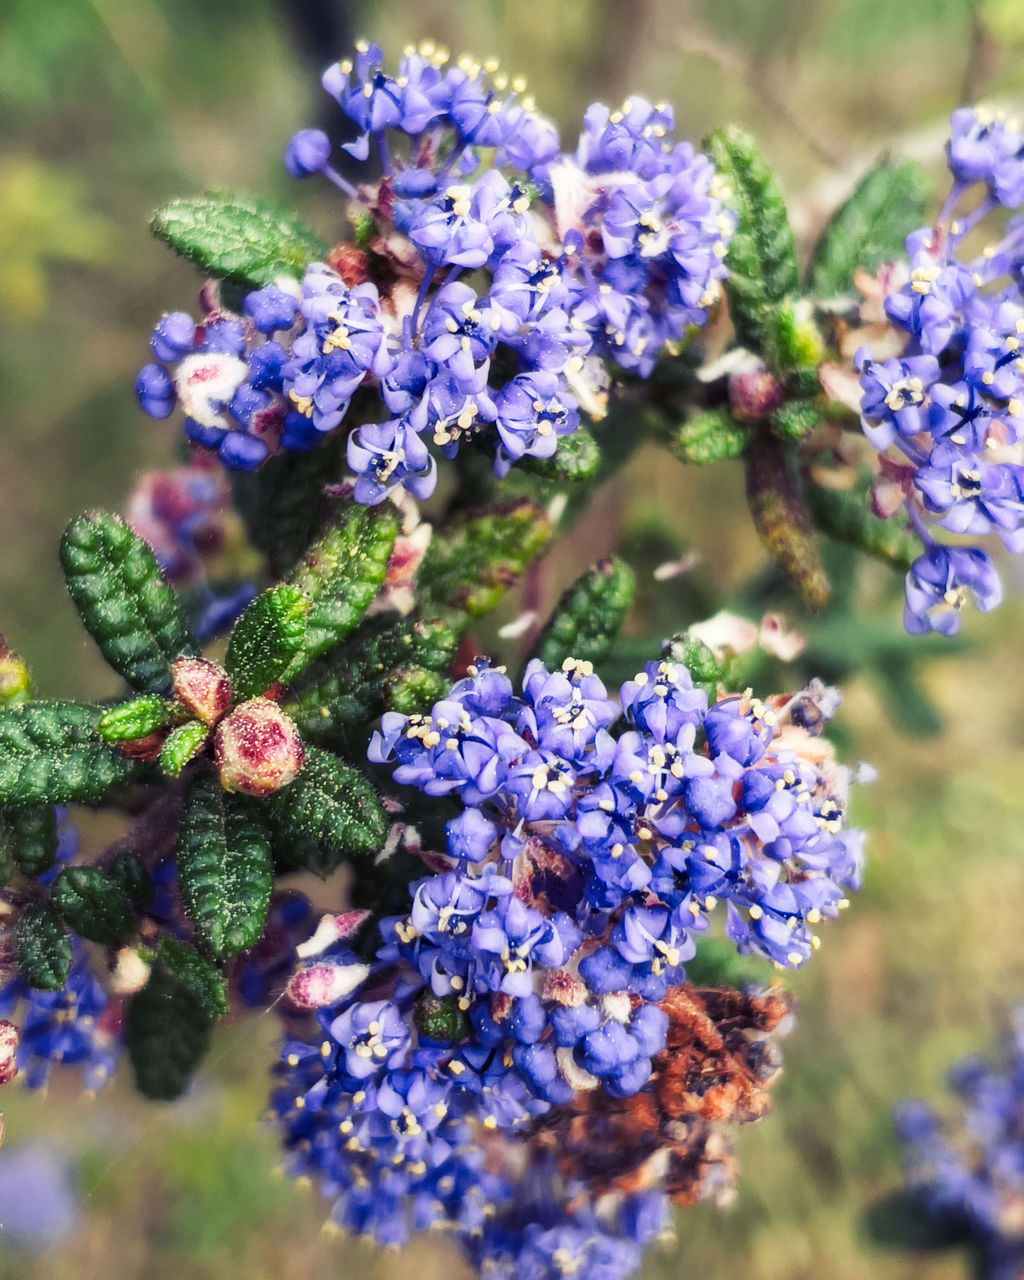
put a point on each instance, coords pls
(342, 573)
(897, 1220)
(181, 745)
(711, 435)
(225, 869)
(42, 947)
(50, 754)
(781, 519)
(762, 255)
(329, 814)
(31, 836)
(473, 560)
(284, 504)
(845, 514)
(168, 1032)
(266, 640)
(93, 905)
(588, 616)
(887, 204)
(704, 668)
(577, 457)
(201, 979)
(795, 419)
(129, 871)
(252, 242)
(718, 964)
(134, 719)
(127, 607)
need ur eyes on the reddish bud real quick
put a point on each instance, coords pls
(754, 393)
(325, 983)
(330, 930)
(9, 1038)
(202, 688)
(257, 749)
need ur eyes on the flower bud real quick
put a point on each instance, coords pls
(319, 985)
(9, 1038)
(754, 393)
(330, 930)
(257, 749)
(202, 688)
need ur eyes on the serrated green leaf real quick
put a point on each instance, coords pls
(330, 813)
(266, 640)
(50, 754)
(795, 419)
(181, 745)
(473, 560)
(712, 435)
(129, 871)
(31, 837)
(93, 905)
(762, 255)
(846, 514)
(133, 719)
(42, 947)
(870, 227)
(341, 574)
(225, 869)
(588, 616)
(168, 1033)
(129, 610)
(577, 457)
(199, 976)
(252, 242)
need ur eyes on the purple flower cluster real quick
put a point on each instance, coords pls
(974, 1180)
(948, 410)
(492, 276)
(531, 963)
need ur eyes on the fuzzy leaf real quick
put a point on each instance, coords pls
(168, 1033)
(871, 226)
(266, 640)
(762, 255)
(50, 754)
(181, 745)
(330, 813)
(473, 560)
(133, 719)
(43, 947)
(224, 868)
(127, 607)
(578, 457)
(846, 515)
(342, 573)
(31, 836)
(713, 435)
(93, 905)
(129, 872)
(587, 618)
(795, 419)
(781, 519)
(252, 242)
(200, 978)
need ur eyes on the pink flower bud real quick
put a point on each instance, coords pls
(754, 393)
(330, 930)
(202, 688)
(9, 1038)
(319, 985)
(257, 748)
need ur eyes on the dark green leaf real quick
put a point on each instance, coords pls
(578, 457)
(133, 719)
(329, 814)
(710, 436)
(266, 640)
(238, 238)
(342, 573)
(93, 905)
(587, 618)
(224, 868)
(43, 947)
(129, 871)
(31, 836)
(898, 1220)
(886, 205)
(50, 754)
(201, 979)
(284, 504)
(168, 1033)
(127, 607)
(182, 744)
(846, 514)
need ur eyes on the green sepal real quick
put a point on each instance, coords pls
(50, 754)
(473, 560)
(328, 815)
(168, 1032)
(266, 640)
(899, 1221)
(31, 836)
(588, 616)
(440, 1018)
(129, 610)
(15, 681)
(225, 870)
(135, 719)
(199, 976)
(718, 964)
(181, 745)
(43, 947)
(577, 457)
(93, 905)
(249, 241)
(781, 519)
(698, 658)
(871, 226)
(761, 257)
(129, 871)
(342, 573)
(795, 419)
(385, 665)
(710, 435)
(845, 514)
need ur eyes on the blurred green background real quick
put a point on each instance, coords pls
(111, 107)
